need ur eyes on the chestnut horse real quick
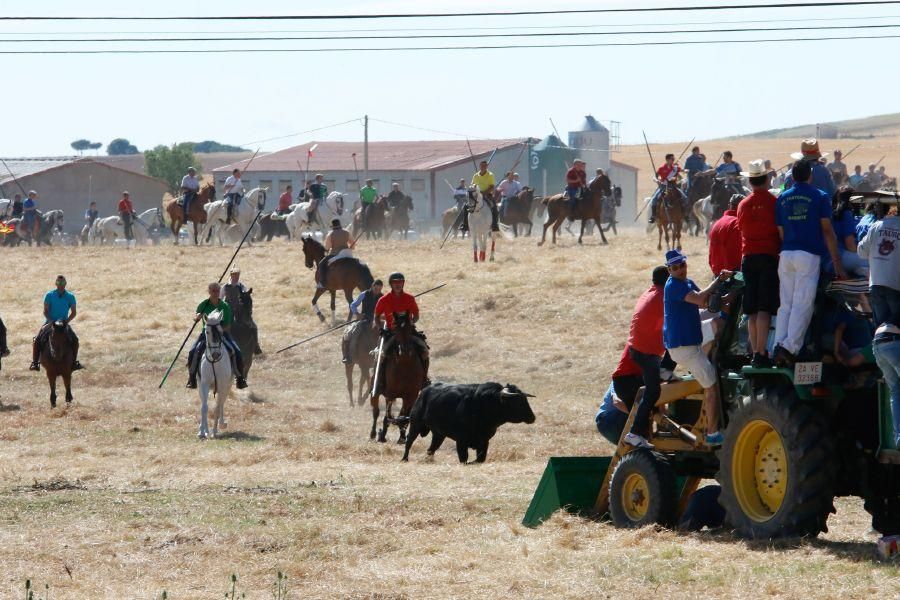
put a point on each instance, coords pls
(590, 206)
(343, 274)
(56, 358)
(404, 378)
(197, 213)
(518, 211)
(670, 217)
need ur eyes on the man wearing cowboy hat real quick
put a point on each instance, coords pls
(821, 176)
(838, 169)
(338, 244)
(190, 187)
(760, 245)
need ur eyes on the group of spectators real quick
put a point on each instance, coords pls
(785, 246)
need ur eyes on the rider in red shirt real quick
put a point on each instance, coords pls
(397, 302)
(576, 181)
(126, 213)
(284, 202)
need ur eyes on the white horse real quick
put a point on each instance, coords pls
(108, 229)
(217, 213)
(480, 225)
(298, 219)
(215, 375)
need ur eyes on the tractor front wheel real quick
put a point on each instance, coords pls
(776, 467)
(642, 491)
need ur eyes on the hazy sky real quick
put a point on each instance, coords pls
(673, 92)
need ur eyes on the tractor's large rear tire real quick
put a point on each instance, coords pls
(777, 467)
(642, 491)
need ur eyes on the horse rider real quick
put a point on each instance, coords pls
(367, 196)
(667, 172)
(694, 164)
(59, 305)
(576, 182)
(284, 201)
(317, 192)
(214, 302)
(485, 182)
(234, 193)
(17, 207)
(30, 217)
(821, 176)
(873, 177)
(126, 213)
(508, 188)
(460, 194)
(398, 302)
(338, 244)
(364, 309)
(190, 188)
(90, 215)
(396, 196)
(838, 169)
(233, 289)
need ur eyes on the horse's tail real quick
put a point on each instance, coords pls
(365, 275)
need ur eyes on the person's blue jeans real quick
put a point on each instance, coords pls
(887, 355)
(885, 303)
(649, 365)
(610, 420)
(188, 196)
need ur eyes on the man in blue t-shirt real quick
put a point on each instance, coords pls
(683, 336)
(803, 217)
(821, 176)
(59, 305)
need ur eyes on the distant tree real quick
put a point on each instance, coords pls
(95, 146)
(170, 163)
(211, 146)
(121, 146)
(81, 145)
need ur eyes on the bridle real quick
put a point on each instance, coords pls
(214, 343)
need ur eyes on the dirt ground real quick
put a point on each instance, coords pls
(115, 497)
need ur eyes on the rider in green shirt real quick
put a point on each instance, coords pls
(367, 196)
(214, 302)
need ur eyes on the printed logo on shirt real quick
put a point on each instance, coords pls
(886, 247)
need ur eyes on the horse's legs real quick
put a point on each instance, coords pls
(348, 296)
(475, 248)
(204, 410)
(375, 411)
(388, 403)
(67, 381)
(333, 298)
(51, 377)
(598, 219)
(348, 373)
(556, 227)
(547, 226)
(316, 296)
(364, 377)
(659, 227)
(493, 246)
(581, 232)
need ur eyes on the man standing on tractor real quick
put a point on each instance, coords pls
(881, 245)
(760, 244)
(803, 217)
(683, 335)
(725, 240)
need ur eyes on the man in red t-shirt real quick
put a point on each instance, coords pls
(760, 245)
(645, 349)
(126, 213)
(576, 181)
(668, 172)
(725, 241)
(398, 302)
(284, 202)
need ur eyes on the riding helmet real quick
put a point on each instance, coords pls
(396, 276)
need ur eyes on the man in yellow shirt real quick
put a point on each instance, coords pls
(485, 182)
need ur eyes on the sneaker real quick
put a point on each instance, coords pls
(77, 366)
(715, 439)
(35, 366)
(638, 441)
(784, 358)
(761, 361)
(241, 383)
(192, 383)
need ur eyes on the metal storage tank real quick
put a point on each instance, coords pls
(591, 142)
(549, 160)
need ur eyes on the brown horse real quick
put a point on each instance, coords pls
(374, 225)
(670, 217)
(590, 206)
(404, 377)
(399, 218)
(518, 211)
(197, 213)
(56, 358)
(363, 339)
(449, 218)
(343, 274)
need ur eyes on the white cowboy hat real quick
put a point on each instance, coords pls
(757, 169)
(809, 149)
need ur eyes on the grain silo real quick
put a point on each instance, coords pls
(591, 142)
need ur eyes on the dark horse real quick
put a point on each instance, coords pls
(670, 216)
(720, 194)
(56, 358)
(48, 222)
(399, 217)
(701, 184)
(271, 225)
(343, 274)
(197, 213)
(518, 211)
(362, 340)
(404, 378)
(375, 223)
(243, 328)
(590, 206)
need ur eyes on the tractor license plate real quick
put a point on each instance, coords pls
(807, 373)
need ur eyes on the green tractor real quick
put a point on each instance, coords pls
(794, 440)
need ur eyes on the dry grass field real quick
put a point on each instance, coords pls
(115, 497)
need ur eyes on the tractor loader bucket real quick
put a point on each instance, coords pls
(569, 482)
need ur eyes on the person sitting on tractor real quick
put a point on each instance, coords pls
(683, 335)
(576, 183)
(214, 302)
(398, 302)
(881, 246)
(234, 193)
(485, 182)
(59, 305)
(338, 244)
(668, 173)
(364, 309)
(190, 188)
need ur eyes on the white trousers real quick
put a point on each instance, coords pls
(798, 272)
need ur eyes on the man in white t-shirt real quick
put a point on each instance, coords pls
(234, 192)
(190, 187)
(508, 188)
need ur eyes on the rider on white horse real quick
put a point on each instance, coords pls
(214, 302)
(318, 191)
(234, 193)
(338, 245)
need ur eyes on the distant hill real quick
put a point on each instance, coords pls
(869, 127)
